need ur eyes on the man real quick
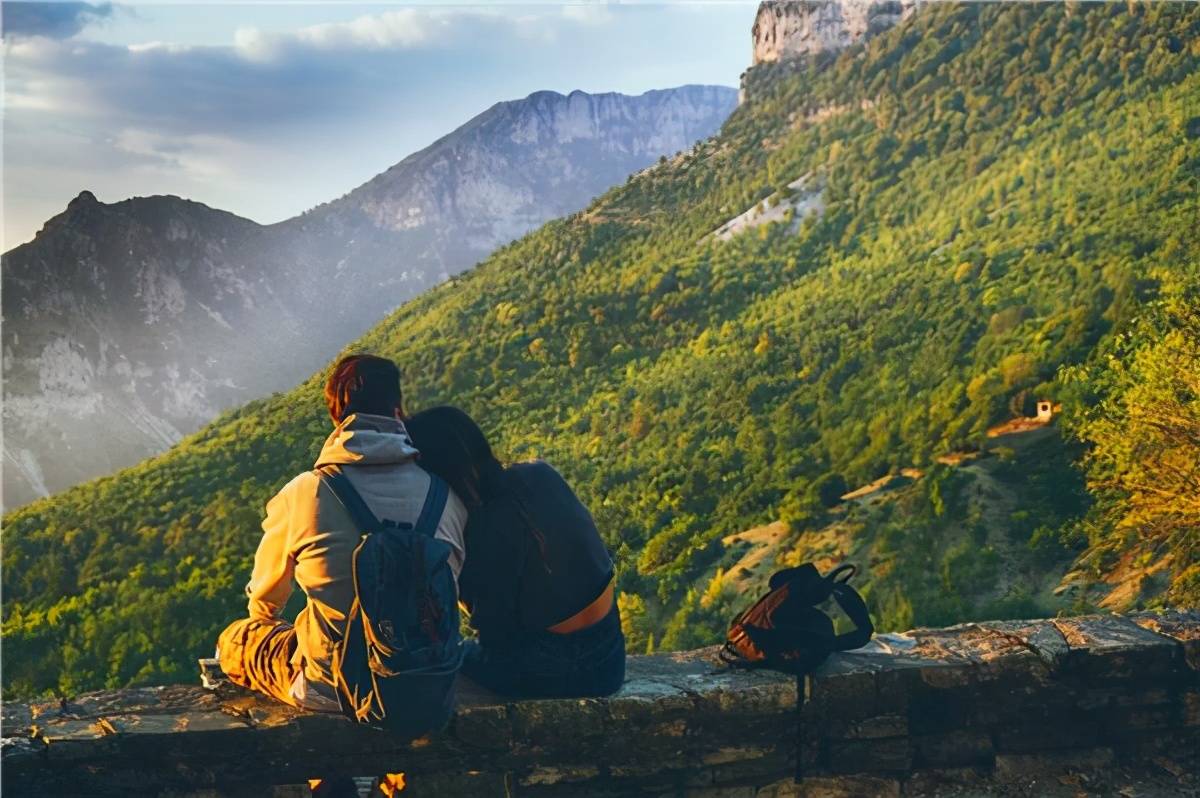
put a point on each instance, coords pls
(309, 537)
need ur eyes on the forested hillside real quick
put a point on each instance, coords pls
(996, 203)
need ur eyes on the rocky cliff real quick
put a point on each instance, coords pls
(790, 28)
(128, 325)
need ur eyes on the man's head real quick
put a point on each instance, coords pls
(363, 384)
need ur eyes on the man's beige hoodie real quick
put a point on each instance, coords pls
(308, 536)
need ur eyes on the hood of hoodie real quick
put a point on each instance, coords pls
(363, 439)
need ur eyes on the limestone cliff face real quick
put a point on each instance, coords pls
(128, 325)
(790, 28)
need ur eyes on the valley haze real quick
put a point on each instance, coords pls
(129, 325)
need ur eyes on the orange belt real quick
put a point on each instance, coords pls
(592, 613)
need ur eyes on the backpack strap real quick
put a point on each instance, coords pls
(842, 573)
(853, 605)
(806, 575)
(435, 505)
(350, 499)
(731, 658)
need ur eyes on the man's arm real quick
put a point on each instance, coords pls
(271, 583)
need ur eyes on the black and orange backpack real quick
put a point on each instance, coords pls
(786, 629)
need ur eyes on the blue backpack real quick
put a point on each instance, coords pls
(401, 652)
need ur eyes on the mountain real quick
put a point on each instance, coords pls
(494, 179)
(885, 253)
(127, 326)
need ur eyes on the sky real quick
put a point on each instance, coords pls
(267, 109)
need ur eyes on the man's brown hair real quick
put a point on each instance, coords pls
(363, 384)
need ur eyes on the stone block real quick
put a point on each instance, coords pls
(1143, 697)
(713, 686)
(1019, 767)
(648, 700)
(935, 694)
(727, 693)
(1019, 706)
(1122, 721)
(1108, 648)
(1190, 702)
(769, 765)
(844, 687)
(963, 781)
(932, 710)
(469, 784)
(849, 787)
(1041, 637)
(784, 788)
(740, 753)
(1183, 626)
(659, 773)
(869, 728)
(561, 723)
(953, 749)
(1040, 731)
(869, 756)
(556, 774)
(1182, 745)
(487, 727)
(743, 791)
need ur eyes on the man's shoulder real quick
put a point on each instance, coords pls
(303, 484)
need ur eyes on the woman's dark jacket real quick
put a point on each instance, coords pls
(513, 582)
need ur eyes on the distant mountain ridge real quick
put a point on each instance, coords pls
(128, 325)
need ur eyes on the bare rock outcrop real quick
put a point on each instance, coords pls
(790, 28)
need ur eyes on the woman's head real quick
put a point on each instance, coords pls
(453, 447)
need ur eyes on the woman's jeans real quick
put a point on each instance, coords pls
(590, 662)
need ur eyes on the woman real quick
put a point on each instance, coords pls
(538, 581)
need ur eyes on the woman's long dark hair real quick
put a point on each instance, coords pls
(454, 447)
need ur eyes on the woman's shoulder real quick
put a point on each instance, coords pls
(537, 478)
(533, 469)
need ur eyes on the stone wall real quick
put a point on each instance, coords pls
(983, 705)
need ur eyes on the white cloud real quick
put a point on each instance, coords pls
(165, 47)
(404, 29)
(390, 30)
(197, 158)
(588, 13)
